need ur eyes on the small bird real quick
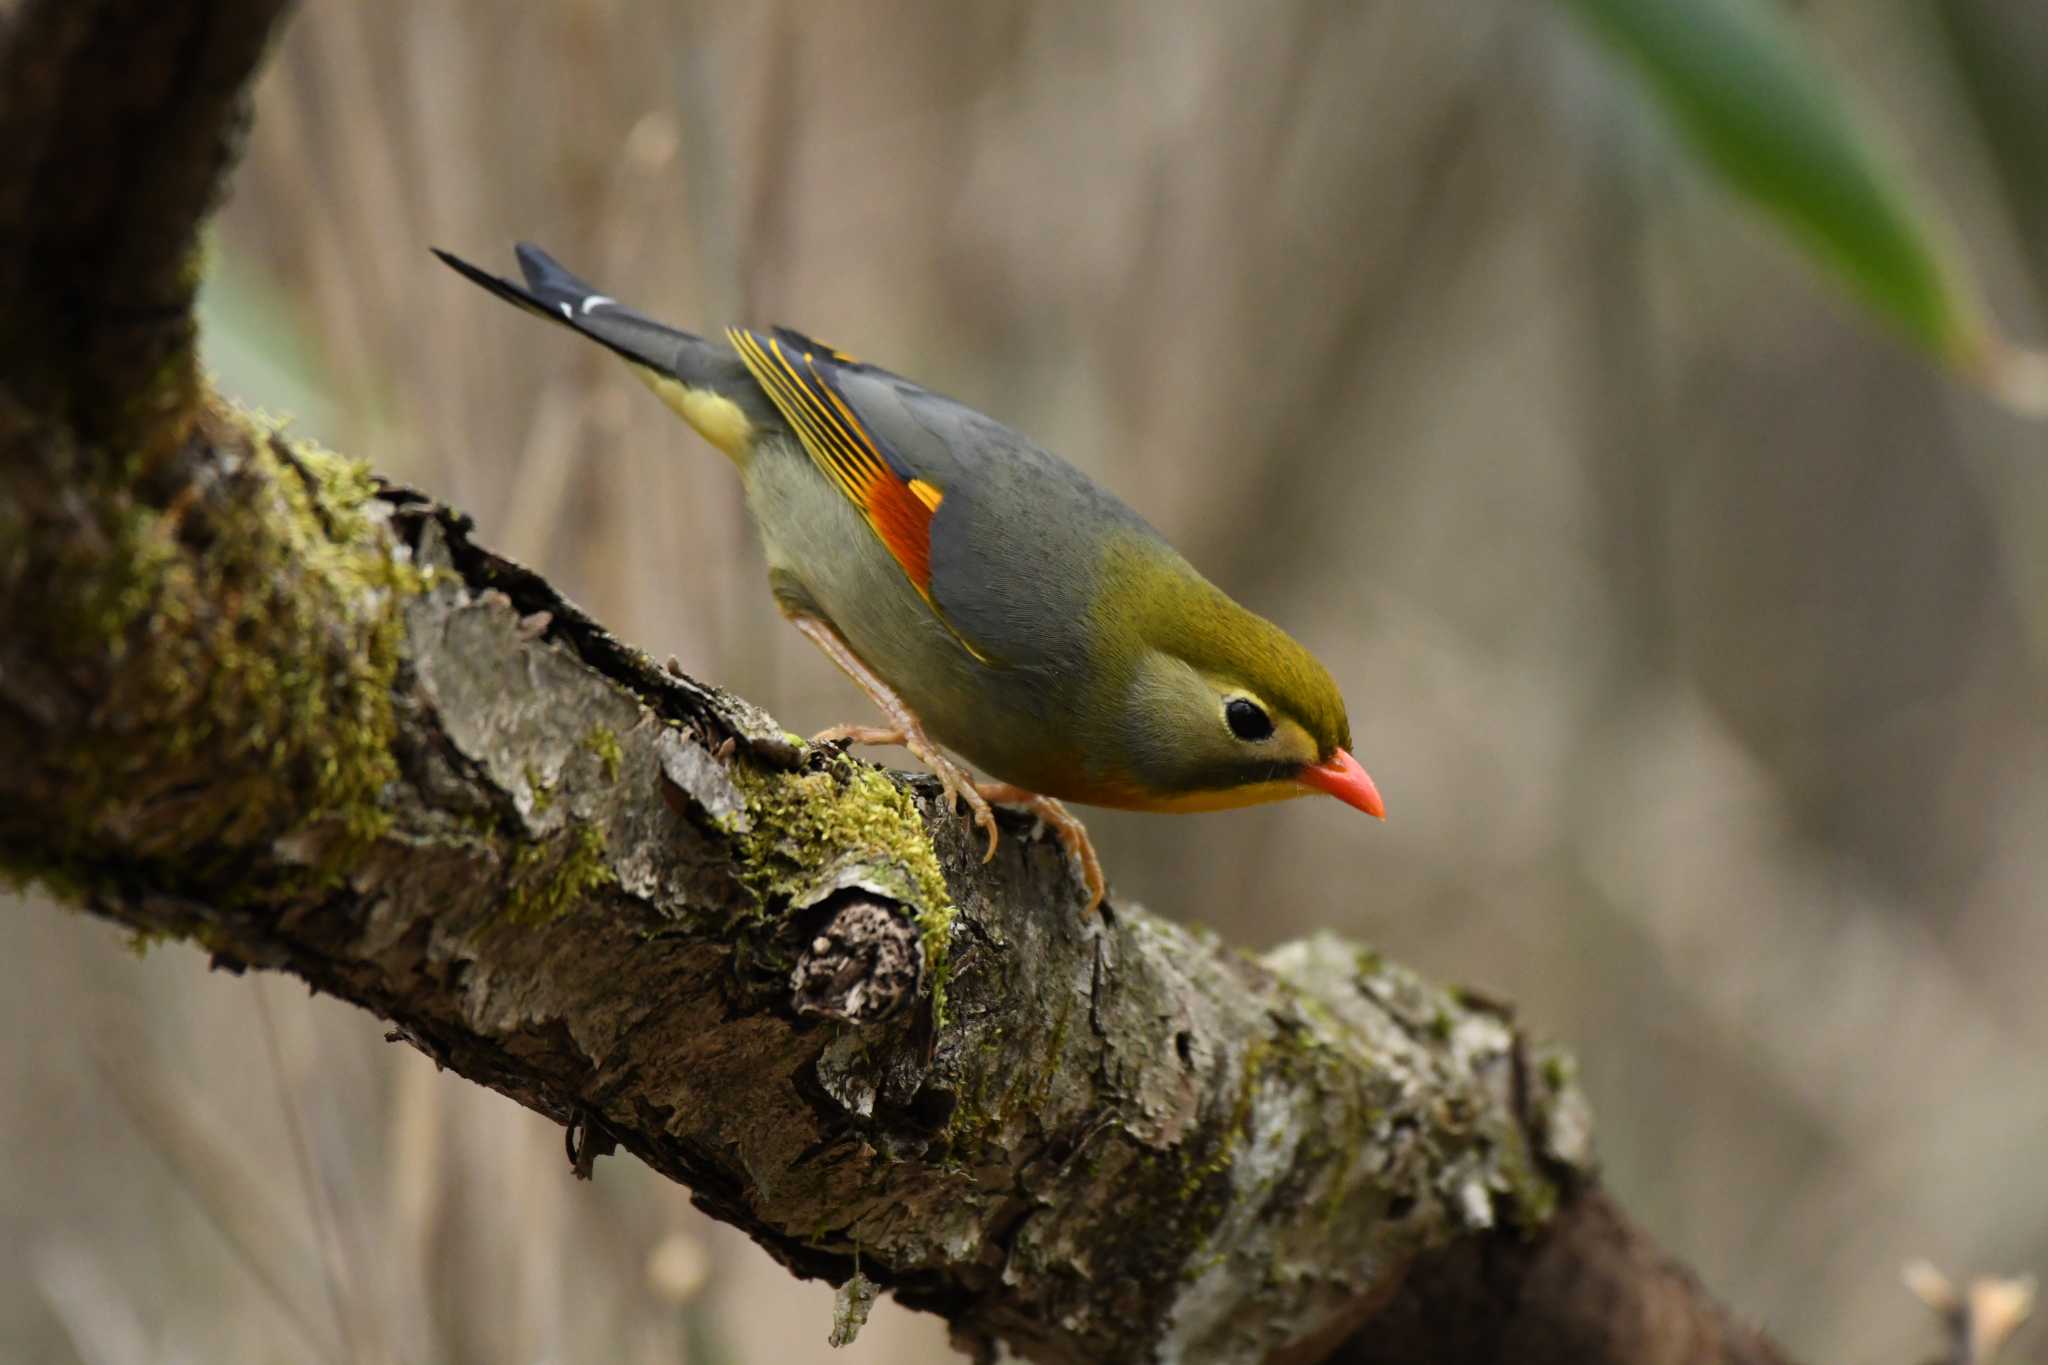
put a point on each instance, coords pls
(987, 596)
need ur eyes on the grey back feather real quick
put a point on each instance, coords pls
(1017, 541)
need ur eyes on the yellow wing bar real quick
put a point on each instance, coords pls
(899, 509)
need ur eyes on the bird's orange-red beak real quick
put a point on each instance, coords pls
(1342, 778)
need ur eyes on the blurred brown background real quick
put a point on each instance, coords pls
(1697, 634)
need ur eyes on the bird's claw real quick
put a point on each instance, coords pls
(858, 734)
(986, 818)
(1072, 834)
(1073, 837)
(957, 787)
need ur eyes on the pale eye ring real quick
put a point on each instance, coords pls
(1247, 720)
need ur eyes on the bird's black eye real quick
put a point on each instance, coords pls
(1246, 720)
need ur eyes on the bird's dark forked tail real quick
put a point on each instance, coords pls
(704, 382)
(551, 291)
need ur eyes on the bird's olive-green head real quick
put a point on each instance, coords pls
(1219, 707)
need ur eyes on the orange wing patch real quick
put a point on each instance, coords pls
(900, 510)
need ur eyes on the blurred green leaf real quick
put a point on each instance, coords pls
(1740, 84)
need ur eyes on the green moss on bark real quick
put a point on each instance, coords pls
(550, 877)
(242, 622)
(603, 742)
(803, 825)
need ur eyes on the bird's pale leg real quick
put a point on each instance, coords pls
(859, 734)
(903, 727)
(1073, 835)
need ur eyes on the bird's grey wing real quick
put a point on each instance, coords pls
(1016, 541)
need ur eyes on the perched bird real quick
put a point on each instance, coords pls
(985, 594)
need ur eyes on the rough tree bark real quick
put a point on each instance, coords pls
(253, 697)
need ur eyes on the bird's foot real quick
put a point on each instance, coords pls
(954, 781)
(903, 729)
(1072, 834)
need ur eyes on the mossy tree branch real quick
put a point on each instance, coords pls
(253, 697)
